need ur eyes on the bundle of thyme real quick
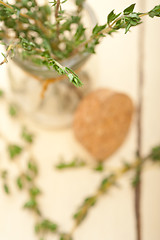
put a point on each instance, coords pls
(47, 34)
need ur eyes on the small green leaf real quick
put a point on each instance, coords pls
(155, 154)
(79, 2)
(136, 179)
(112, 16)
(90, 49)
(45, 225)
(80, 216)
(30, 204)
(1, 93)
(53, 3)
(4, 174)
(99, 167)
(127, 28)
(6, 188)
(129, 9)
(19, 182)
(65, 236)
(33, 167)
(73, 77)
(13, 110)
(90, 201)
(26, 44)
(79, 33)
(28, 137)
(34, 191)
(155, 12)
(28, 177)
(14, 150)
(106, 181)
(98, 29)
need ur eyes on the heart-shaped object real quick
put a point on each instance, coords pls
(101, 122)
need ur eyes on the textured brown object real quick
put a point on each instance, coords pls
(102, 121)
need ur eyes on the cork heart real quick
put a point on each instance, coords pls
(101, 122)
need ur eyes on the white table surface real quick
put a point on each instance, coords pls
(114, 66)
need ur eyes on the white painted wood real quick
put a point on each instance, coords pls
(114, 66)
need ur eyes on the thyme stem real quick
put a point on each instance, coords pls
(105, 185)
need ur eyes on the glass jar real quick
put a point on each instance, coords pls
(60, 99)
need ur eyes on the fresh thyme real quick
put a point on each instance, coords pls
(110, 180)
(26, 181)
(28, 31)
(75, 163)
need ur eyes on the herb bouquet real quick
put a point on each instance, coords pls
(50, 43)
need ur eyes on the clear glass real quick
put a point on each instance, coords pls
(61, 98)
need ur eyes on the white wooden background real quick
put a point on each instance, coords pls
(115, 66)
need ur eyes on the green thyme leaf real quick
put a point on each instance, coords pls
(65, 236)
(97, 29)
(112, 16)
(155, 12)
(30, 204)
(155, 154)
(4, 174)
(28, 137)
(28, 177)
(19, 182)
(6, 188)
(79, 33)
(13, 110)
(14, 150)
(136, 179)
(79, 2)
(34, 191)
(46, 225)
(32, 166)
(99, 167)
(129, 9)
(1, 93)
(107, 180)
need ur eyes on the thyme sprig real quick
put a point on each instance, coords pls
(107, 182)
(123, 20)
(111, 180)
(75, 163)
(26, 179)
(46, 42)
